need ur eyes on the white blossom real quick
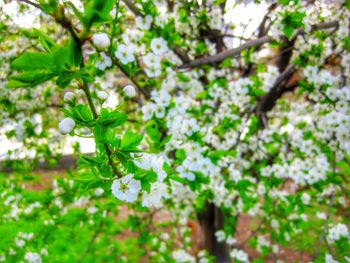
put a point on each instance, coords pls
(126, 188)
(101, 40)
(103, 61)
(125, 54)
(32, 257)
(159, 46)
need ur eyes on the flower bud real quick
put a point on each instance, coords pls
(101, 40)
(66, 125)
(102, 95)
(129, 91)
(69, 96)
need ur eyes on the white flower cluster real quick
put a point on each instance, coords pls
(103, 61)
(154, 197)
(338, 231)
(127, 188)
(329, 259)
(182, 256)
(195, 162)
(269, 77)
(125, 53)
(319, 78)
(161, 101)
(239, 255)
(154, 162)
(32, 257)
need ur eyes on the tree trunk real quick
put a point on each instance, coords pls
(211, 219)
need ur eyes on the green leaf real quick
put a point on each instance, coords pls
(97, 11)
(49, 7)
(146, 179)
(130, 141)
(288, 31)
(75, 56)
(83, 111)
(64, 79)
(87, 182)
(81, 114)
(46, 42)
(100, 133)
(112, 119)
(180, 154)
(30, 61)
(61, 58)
(152, 131)
(88, 160)
(202, 199)
(29, 78)
(12, 84)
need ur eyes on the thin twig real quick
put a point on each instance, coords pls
(92, 240)
(113, 26)
(31, 3)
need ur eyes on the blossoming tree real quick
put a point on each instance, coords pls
(210, 126)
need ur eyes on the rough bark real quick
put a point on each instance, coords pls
(211, 220)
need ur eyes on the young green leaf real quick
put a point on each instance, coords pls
(30, 78)
(100, 133)
(112, 119)
(30, 61)
(130, 141)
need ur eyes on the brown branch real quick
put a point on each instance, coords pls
(325, 25)
(67, 24)
(267, 101)
(132, 7)
(61, 19)
(249, 44)
(262, 29)
(286, 51)
(31, 3)
(229, 53)
(181, 54)
(221, 36)
(132, 79)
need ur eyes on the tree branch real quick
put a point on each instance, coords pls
(132, 7)
(262, 29)
(31, 3)
(267, 101)
(229, 53)
(249, 44)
